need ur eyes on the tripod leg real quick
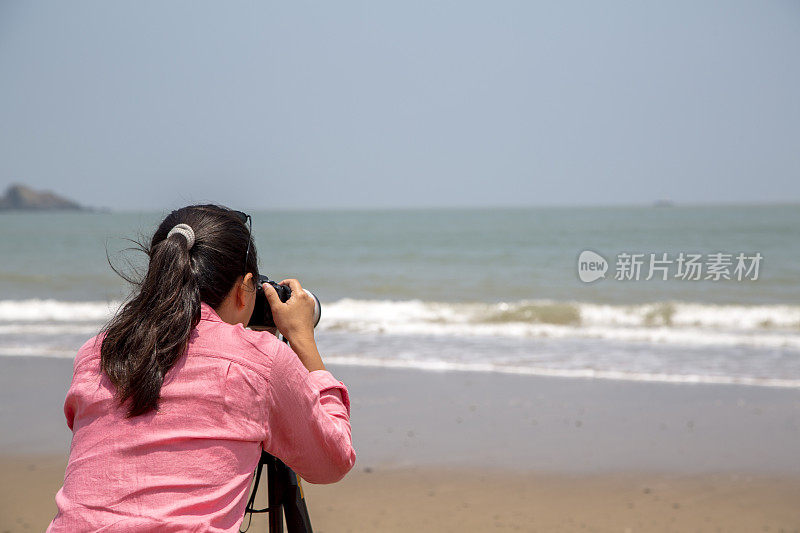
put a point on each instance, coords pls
(294, 506)
(275, 490)
(284, 497)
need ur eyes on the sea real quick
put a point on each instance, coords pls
(468, 290)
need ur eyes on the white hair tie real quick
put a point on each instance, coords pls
(185, 230)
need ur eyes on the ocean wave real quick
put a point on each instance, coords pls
(774, 326)
(678, 323)
(671, 342)
(55, 311)
(668, 313)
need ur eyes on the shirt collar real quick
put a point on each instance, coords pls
(207, 313)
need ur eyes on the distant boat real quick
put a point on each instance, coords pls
(665, 202)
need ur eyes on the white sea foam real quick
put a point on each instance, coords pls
(768, 326)
(438, 365)
(36, 350)
(55, 311)
(38, 329)
(678, 314)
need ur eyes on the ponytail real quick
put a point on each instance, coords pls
(150, 333)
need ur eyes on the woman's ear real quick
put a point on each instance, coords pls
(243, 290)
(240, 293)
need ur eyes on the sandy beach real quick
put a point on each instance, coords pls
(465, 499)
(463, 451)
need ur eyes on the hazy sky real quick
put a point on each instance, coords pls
(376, 104)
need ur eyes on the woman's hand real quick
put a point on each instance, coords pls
(294, 318)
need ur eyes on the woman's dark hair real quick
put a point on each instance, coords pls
(150, 332)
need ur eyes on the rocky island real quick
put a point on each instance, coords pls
(22, 198)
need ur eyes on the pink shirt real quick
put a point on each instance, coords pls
(188, 466)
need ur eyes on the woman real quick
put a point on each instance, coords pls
(172, 403)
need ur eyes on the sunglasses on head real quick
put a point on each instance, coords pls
(248, 221)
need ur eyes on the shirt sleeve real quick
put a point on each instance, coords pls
(308, 420)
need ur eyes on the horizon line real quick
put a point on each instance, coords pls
(654, 204)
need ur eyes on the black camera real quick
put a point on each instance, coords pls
(262, 314)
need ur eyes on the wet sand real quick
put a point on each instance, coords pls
(454, 451)
(475, 500)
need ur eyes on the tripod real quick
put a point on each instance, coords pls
(284, 493)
